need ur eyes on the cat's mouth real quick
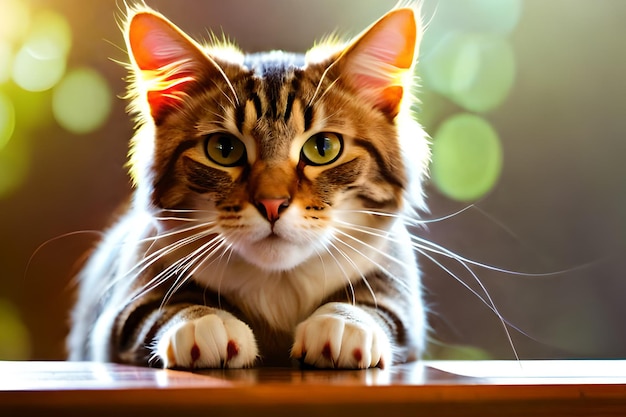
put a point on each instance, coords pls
(273, 236)
(274, 252)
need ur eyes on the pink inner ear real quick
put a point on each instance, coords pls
(153, 42)
(378, 60)
(165, 57)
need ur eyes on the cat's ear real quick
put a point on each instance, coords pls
(167, 63)
(379, 61)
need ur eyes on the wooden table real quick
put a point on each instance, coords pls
(436, 388)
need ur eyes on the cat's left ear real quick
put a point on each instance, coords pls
(378, 62)
(167, 63)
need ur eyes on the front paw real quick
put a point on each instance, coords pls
(216, 340)
(339, 335)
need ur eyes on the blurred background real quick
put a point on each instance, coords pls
(525, 102)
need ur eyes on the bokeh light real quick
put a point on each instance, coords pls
(14, 336)
(494, 76)
(40, 62)
(467, 63)
(81, 103)
(50, 36)
(7, 120)
(496, 17)
(35, 74)
(476, 71)
(467, 157)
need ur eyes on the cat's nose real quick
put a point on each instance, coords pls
(272, 207)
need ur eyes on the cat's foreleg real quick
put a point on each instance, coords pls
(340, 335)
(205, 337)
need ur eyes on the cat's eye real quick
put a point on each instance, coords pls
(225, 149)
(322, 149)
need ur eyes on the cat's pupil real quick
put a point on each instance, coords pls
(226, 146)
(323, 144)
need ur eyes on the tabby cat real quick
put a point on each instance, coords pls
(267, 225)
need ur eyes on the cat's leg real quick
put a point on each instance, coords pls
(340, 335)
(204, 337)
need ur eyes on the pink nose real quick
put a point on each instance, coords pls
(271, 207)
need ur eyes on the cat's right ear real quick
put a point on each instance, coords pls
(379, 62)
(167, 63)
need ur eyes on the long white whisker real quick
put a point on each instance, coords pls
(332, 84)
(186, 211)
(177, 231)
(355, 266)
(147, 262)
(343, 271)
(487, 302)
(321, 258)
(149, 258)
(319, 84)
(377, 250)
(408, 219)
(178, 219)
(197, 257)
(218, 258)
(228, 83)
(433, 247)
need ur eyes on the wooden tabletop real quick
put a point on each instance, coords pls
(435, 388)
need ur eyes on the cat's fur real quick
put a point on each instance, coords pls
(286, 251)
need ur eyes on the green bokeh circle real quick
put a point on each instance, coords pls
(475, 70)
(466, 157)
(82, 101)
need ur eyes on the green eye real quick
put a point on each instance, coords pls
(225, 149)
(322, 149)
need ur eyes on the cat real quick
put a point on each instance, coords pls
(268, 220)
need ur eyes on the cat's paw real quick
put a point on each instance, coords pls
(216, 340)
(339, 335)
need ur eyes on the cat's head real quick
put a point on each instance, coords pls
(277, 152)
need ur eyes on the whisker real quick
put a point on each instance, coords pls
(356, 268)
(148, 260)
(217, 253)
(409, 220)
(487, 302)
(351, 293)
(327, 89)
(54, 239)
(315, 245)
(435, 248)
(319, 84)
(196, 258)
(183, 210)
(174, 232)
(422, 248)
(377, 250)
(228, 83)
